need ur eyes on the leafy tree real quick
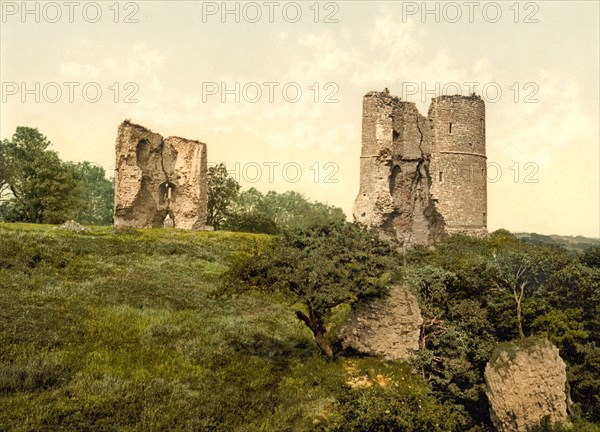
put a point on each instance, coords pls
(292, 210)
(584, 377)
(39, 187)
(272, 212)
(513, 271)
(454, 343)
(97, 195)
(320, 267)
(252, 222)
(222, 192)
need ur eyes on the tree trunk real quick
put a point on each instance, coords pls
(520, 320)
(519, 300)
(323, 343)
(314, 322)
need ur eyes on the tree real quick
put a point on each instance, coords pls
(320, 267)
(222, 192)
(39, 187)
(591, 257)
(247, 215)
(97, 195)
(257, 212)
(513, 271)
(292, 210)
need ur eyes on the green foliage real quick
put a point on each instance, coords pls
(222, 192)
(251, 221)
(455, 345)
(120, 330)
(578, 425)
(383, 397)
(274, 212)
(97, 195)
(591, 257)
(127, 329)
(253, 211)
(320, 267)
(468, 303)
(38, 186)
(584, 376)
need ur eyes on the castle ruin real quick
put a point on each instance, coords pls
(159, 182)
(422, 178)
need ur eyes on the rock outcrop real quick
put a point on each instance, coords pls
(526, 382)
(159, 179)
(387, 327)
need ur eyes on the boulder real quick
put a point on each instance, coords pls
(388, 327)
(526, 382)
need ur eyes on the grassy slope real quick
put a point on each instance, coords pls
(120, 331)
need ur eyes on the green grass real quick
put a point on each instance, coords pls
(112, 330)
(122, 330)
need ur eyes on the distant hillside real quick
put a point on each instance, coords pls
(574, 243)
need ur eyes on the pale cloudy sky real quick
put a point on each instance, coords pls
(172, 60)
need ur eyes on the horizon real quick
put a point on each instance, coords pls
(281, 102)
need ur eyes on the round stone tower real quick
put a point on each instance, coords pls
(458, 162)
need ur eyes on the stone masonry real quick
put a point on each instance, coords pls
(422, 178)
(159, 182)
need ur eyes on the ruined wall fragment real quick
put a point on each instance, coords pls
(156, 178)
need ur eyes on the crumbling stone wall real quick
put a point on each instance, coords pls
(159, 179)
(394, 171)
(414, 183)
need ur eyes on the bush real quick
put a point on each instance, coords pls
(387, 396)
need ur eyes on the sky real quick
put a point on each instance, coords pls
(275, 88)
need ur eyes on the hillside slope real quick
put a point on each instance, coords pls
(121, 330)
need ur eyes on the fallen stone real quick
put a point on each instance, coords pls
(387, 327)
(526, 382)
(72, 225)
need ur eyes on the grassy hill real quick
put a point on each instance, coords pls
(122, 330)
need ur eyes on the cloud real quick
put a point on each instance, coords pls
(141, 61)
(76, 70)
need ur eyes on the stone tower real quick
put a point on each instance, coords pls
(458, 163)
(422, 178)
(159, 182)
